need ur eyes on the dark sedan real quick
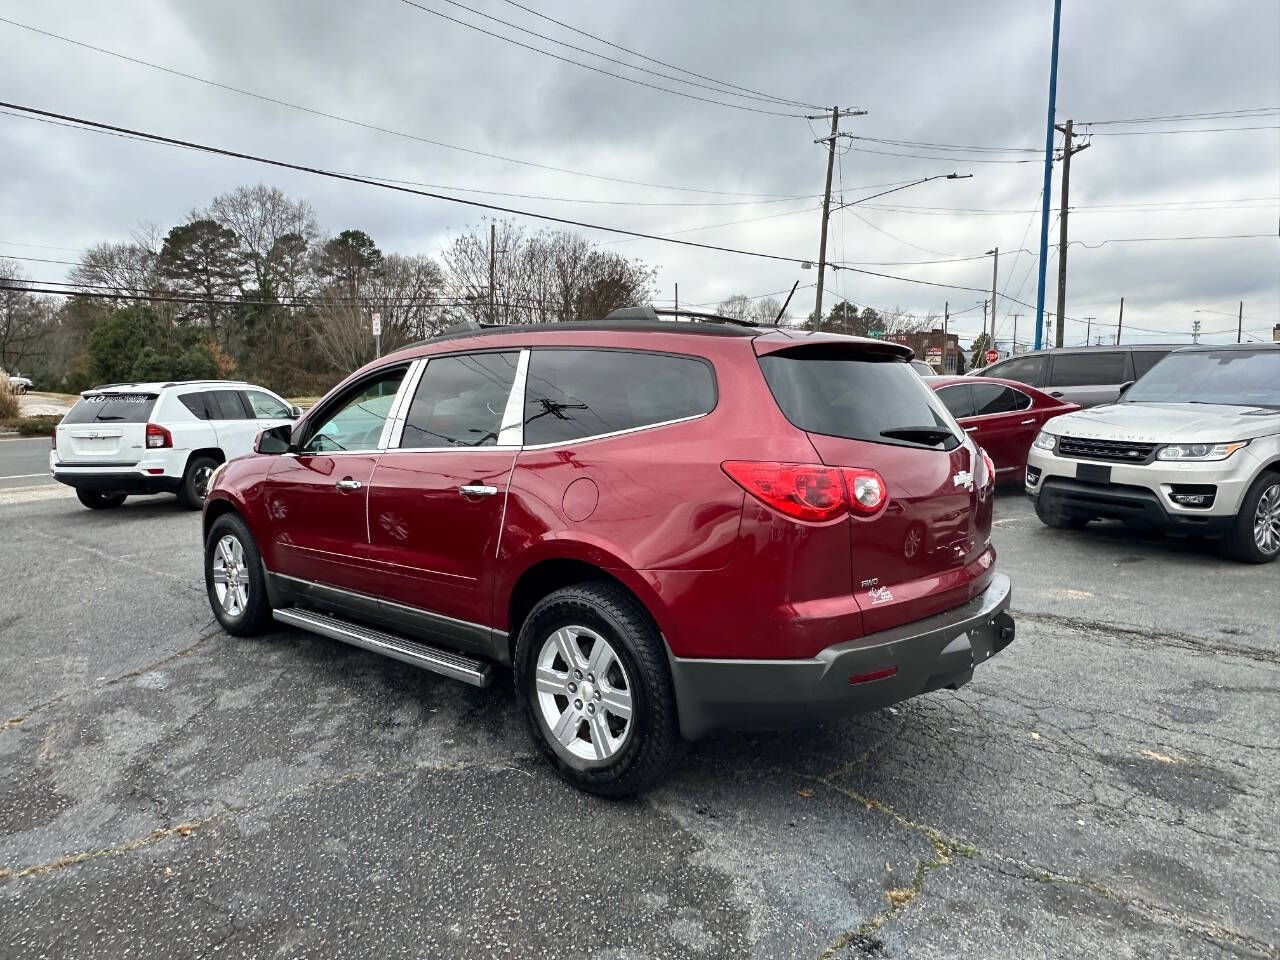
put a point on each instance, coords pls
(1002, 416)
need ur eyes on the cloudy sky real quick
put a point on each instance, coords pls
(969, 74)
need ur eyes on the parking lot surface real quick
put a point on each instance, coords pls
(1108, 786)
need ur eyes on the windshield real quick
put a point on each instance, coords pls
(858, 397)
(1242, 378)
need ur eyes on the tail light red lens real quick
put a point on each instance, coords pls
(813, 492)
(158, 436)
(991, 467)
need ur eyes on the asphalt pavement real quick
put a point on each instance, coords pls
(1108, 786)
(24, 462)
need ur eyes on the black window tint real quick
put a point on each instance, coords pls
(860, 397)
(195, 403)
(1144, 360)
(112, 408)
(460, 401)
(1028, 370)
(571, 394)
(1020, 400)
(1087, 369)
(958, 400)
(225, 405)
(989, 398)
(356, 420)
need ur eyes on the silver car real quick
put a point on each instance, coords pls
(1193, 446)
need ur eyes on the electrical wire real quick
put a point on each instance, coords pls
(948, 146)
(266, 98)
(1152, 133)
(661, 63)
(1210, 115)
(951, 159)
(600, 70)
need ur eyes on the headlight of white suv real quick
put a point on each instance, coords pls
(1045, 441)
(1199, 452)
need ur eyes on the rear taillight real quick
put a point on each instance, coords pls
(812, 492)
(991, 467)
(53, 438)
(158, 436)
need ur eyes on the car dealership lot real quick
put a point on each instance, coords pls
(1107, 786)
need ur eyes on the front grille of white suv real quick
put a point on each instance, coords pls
(1116, 451)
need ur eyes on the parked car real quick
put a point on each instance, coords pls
(922, 368)
(665, 528)
(1002, 416)
(1193, 446)
(1084, 375)
(19, 384)
(145, 438)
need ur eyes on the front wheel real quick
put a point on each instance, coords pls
(593, 682)
(1255, 535)
(234, 578)
(1058, 518)
(100, 501)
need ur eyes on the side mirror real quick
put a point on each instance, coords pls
(275, 441)
(295, 411)
(1124, 387)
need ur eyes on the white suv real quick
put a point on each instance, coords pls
(144, 438)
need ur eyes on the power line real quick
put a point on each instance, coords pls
(948, 146)
(600, 70)
(1210, 115)
(661, 63)
(921, 156)
(97, 127)
(1151, 133)
(266, 98)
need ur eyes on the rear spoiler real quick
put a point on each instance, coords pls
(797, 342)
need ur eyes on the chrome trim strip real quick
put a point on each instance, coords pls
(394, 426)
(512, 431)
(489, 449)
(615, 433)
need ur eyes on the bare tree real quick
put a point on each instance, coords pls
(737, 306)
(262, 217)
(125, 270)
(766, 310)
(24, 319)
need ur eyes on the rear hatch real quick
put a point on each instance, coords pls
(863, 406)
(106, 428)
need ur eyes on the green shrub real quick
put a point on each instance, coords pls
(31, 426)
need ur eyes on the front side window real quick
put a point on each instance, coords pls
(356, 421)
(267, 407)
(572, 394)
(1144, 360)
(460, 401)
(1087, 369)
(225, 405)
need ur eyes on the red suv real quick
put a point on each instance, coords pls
(664, 528)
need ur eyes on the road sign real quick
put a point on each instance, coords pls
(377, 324)
(933, 356)
(875, 333)
(992, 356)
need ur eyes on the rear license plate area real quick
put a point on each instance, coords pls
(1093, 473)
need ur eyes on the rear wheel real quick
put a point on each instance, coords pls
(100, 501)
(593, 681)
(1059, 518)
(234, 578)
(1255, 535)
(195, 482)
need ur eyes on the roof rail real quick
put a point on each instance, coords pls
(649, 312)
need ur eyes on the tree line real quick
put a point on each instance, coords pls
(250, 287)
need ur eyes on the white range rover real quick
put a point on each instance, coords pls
(1193, 446)
(144, 438)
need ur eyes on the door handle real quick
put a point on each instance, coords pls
(477, 490)
(346, 484)
(1025, 422)
(970, 429)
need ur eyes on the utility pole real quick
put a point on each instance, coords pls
(995, 266)
(493, 231)
(677, 301)
(1120, 324)
(1014, 350)
(826, 202)
(1088, 330)
(1067, 151)
(1240, 324)
(1195, 331)
(1048, 173)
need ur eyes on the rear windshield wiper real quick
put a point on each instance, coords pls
(917, 434)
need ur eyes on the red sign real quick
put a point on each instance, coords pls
(992, 356)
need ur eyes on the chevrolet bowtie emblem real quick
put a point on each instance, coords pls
(963, 479)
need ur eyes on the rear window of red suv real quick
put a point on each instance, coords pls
(839, 394)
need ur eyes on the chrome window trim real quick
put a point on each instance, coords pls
(511, 433)
(614, 433)
(394, 427)
(505, 431)
(492, 447)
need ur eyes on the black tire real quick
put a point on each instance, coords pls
(254, 616)
(195, 481)
(653, 740)
(1058, 518)
(100, 501)
(1241, 543)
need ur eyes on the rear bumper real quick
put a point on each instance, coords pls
(131, 480)
(939, 651)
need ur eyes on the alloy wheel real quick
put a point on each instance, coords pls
(584, 693)
(1266, 520)
(230, 576)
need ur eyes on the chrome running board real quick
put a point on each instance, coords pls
(444, 662)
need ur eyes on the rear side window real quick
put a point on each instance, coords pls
(989, 398)
(859, 397)
(112, 408)
(1087, 369)
(195, 403)
(573, 394)
(460, 401)
(1028, 370)
(1144, 360)
(958, 400)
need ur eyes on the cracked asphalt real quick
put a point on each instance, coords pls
(1108, 786)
